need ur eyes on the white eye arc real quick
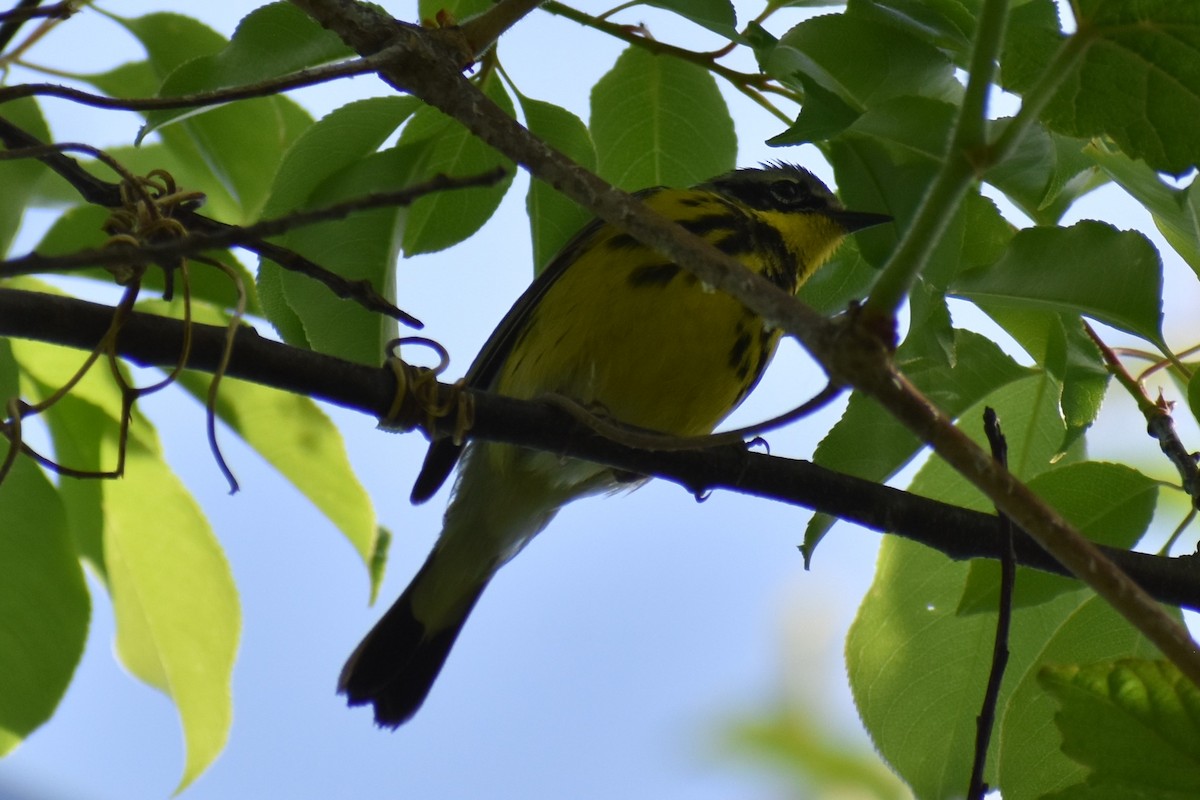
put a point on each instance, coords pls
(788, 193)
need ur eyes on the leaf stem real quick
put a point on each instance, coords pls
(969, 156)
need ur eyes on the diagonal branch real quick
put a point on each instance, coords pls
(108, 195)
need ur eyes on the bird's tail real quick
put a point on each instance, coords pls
(395, 665)
(501, 500)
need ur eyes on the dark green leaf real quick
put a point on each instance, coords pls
(1137, 81)
(271, 41)
(1045, 175)
(716, 15)
(974, 369)
(843, 55)
(947, 24)
(171, 40)
(1134, 723)
(918, 668)
(554, 219)
(441, 145)
(241, 144)
(305, 312)
(44, 605)
(19, 177)
(1090, 268)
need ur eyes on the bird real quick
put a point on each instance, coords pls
(615, 328)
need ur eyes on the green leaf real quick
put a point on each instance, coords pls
(918, 667)
(553, 218)
(842, 53)
(844, 278)
(362, 247)
(1110, 504)
(78, 429)
(171, 40)
(1045, 174)
(271, 41)
(241, 143)
(1175, 211)
(823, 116)
(660, 121)
(19, 176)
(1090, 268)
(316, 171)
(173, 596)
(795, 740)
(947, 24)
(718, 16)
(174, 600)
(44, 605)
(1060, 344)
(438, 144)
(1137, 80)
(886, 160)
(1134, 723)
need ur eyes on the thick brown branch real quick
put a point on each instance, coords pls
(957, 532)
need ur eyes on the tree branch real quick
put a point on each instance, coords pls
(853, 351)
(958, 533)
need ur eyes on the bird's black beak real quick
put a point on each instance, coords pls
(857, 220)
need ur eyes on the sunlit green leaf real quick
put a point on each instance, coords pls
(660, 121)
(1134, 723)
(174, 600)
(918, 667)
(1110, 504)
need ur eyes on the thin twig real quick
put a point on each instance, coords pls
(747, 83)
(220, 235)
(27, 10)
(986, 721)
(273, 86)
(1159, 422)
(102, 193)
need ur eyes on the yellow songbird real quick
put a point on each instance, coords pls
(619, 329)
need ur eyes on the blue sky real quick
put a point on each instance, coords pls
(608, 660)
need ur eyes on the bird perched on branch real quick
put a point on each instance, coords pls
(615, 327)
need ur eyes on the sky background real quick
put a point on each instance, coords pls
(609, 660)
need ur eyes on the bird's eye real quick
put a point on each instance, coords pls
(788, 193)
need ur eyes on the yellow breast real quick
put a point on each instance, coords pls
(626, 332)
